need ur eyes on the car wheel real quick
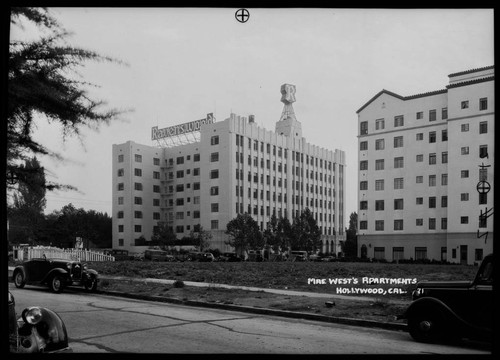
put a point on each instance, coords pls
(91, 285)
(19, 279)
(56, 284)
(427, 326)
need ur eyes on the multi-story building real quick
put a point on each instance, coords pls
(205, 173)
(425, 172)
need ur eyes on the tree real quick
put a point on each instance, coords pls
(245, 233)
(305, 233)
(201, 238)
(350, 247)
(277, 234)
(163, 235)
(43, 82)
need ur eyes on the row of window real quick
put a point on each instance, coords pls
(398, 223)
(420, 253)
(138, 158)
(282, 153)
(419, 115)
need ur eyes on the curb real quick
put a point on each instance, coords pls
(263, 311)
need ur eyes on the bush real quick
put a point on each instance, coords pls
(178, 283)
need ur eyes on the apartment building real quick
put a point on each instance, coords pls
(229, 168)
(426, 172)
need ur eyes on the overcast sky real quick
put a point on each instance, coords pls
(185, 63)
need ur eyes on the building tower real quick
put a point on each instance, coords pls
(288, 124)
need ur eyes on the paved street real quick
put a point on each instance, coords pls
(98, 323)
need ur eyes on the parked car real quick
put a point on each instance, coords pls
(38, 329)
(298, 256)
(139, 257)
(156, 255)
(445, 310)
(229, 257)
(328, 258)
(57, 274)
(120, 254)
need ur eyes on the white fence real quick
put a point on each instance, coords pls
(26, 253)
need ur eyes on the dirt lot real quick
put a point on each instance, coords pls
(292, 276)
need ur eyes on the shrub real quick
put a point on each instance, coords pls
(178, 283)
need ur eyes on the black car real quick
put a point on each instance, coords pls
(448, 310)
(55, 273)
(38, 329)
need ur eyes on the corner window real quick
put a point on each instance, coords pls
(483, 104)
(214, 140)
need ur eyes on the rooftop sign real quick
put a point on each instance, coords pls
(185, 128)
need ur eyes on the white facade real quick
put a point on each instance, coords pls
(418, 171)
(234, 167)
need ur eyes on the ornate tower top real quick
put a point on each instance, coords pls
(288, 124)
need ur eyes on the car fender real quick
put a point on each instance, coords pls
(58, 271)
(21, 269)
(90, 274)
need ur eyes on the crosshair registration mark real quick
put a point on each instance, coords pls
(242, 15)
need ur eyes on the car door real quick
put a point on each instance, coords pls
(36, 269)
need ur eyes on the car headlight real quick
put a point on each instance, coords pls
(84, 267)
(32, 315)
(68, 265)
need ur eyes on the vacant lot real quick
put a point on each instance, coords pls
(330, 277)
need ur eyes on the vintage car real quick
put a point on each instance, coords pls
(56, 273)
(37, 330)
(450, 310)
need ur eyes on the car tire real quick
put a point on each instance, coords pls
(19, 279)
(91, 285)
(56, 284)
(427, 326)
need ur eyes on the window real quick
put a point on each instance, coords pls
(156, 161)
(120, 215)
(432, 202)
(379, 124)
(420, 253)
(214, 224)
(179, 229)
(464, 104)
(363, 225)
(363, 165)
(419, 222)
(398, 141)
(444, 201)
(464, 173)
(180, 174)
(379, 253)
(121, 172)
(196, 157)
(363, 185)
(156, 175)
(379, 185)
(156, 202)
(483, 104)
(179, 188)
(138, 158)
(419, 201)
(398, 183)
(120, 200)
(179, 201)
(432, 159)
(398, 204)
(464, 220)
(138, 186)
(399, 121)
(419, 179)
(483, 127)
(398, 162)
(120, 228)
(464, 150)
(444, 113)
(214, 190)
(420, 136)
(379, 144)
(398, 224)
(444, 179)
(432, 115)
(483, 151)
(363, 127)
(379, 205)
(137, 200)
(214, 157)
(214, 140)
(379, 164)
(214, 207)
(363, 145)
(464, 197)
(363, 205)
(464, 127)
(420, 158)
(444, 135)
(432, 180)
(137, 228)
(196, 172)
(444, 157)
(214, 174)
(444, 223)
(420, 115)
(180, 160)
(379, 225)
(432, 224)
(196, 186)
(138, 214)
(196, 214)
(432, 137)
(120, 158)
